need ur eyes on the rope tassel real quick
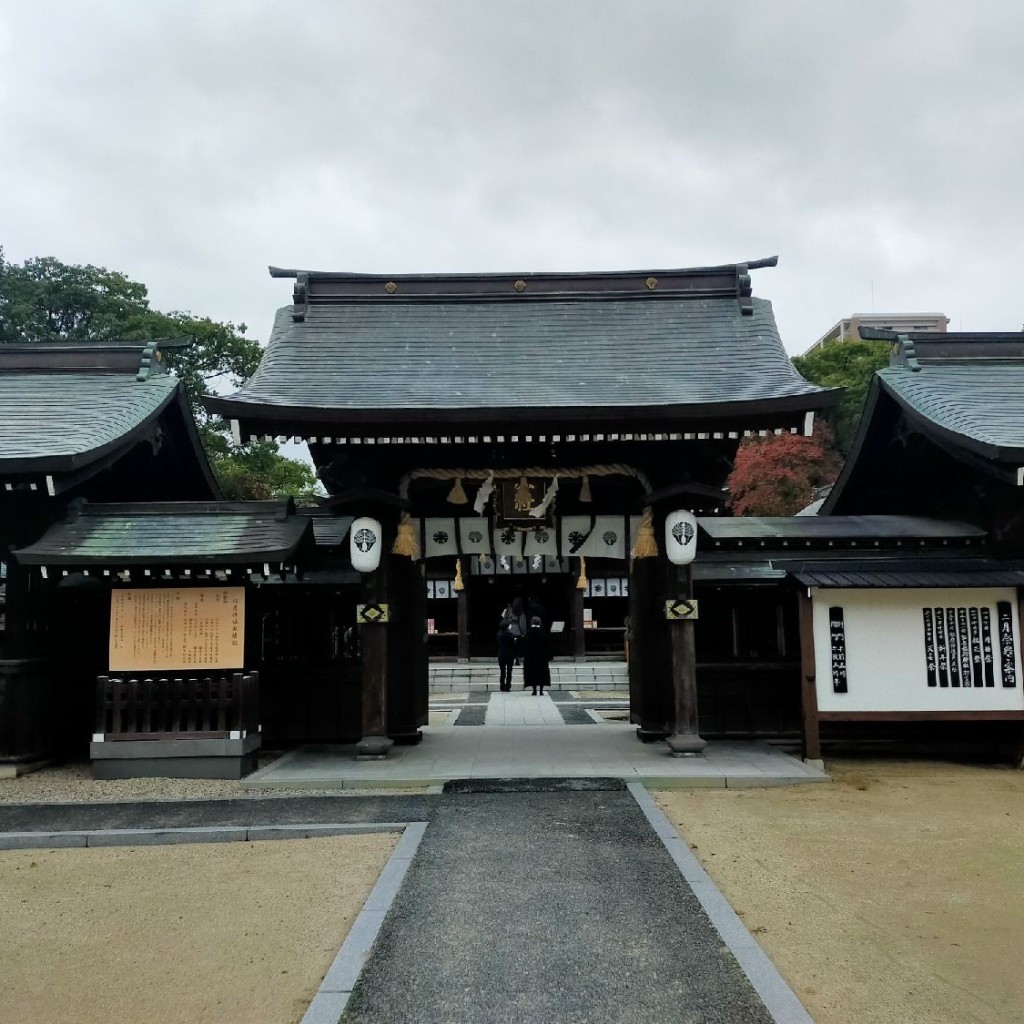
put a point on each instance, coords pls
(646, 546)
(406, 541)
(457, 496)
(459, 585)
(585, 489)
(581, 583)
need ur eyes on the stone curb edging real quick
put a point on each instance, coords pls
(80, 838)
(332, 997)
(779, 999)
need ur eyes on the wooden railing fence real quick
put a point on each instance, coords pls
(177, 707)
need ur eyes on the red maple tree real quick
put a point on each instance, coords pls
(777, 475)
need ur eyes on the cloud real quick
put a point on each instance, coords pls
(874, 146)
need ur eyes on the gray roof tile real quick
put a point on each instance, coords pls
(72, 417)
(172, 533)
(578, 352)
(983, 404)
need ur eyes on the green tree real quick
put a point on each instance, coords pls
(850, 365)
(44, 300)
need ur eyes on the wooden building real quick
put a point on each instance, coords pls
(558, 438)
(912, 643)
(522, 435)
(97, 422)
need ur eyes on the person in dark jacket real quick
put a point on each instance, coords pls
(506, 653)
(536, 672)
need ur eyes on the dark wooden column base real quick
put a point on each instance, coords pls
(651, 735)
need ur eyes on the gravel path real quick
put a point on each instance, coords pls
(548, 906)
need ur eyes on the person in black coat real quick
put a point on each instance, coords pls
(536, 672)
(506, 654)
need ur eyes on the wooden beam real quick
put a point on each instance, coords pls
(811, 733)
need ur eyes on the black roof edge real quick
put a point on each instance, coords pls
(549, 275)
(320, 286)
(850, 465)
(243, 411)
(74, 356)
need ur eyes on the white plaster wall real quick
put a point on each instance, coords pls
(885, 654)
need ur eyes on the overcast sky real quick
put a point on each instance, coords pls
(875, 146)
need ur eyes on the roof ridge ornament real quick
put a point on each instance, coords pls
(744, 290)
(300, 296)
(151, 362)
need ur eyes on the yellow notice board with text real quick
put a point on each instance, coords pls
(177, 629)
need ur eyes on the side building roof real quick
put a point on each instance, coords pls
(372, 349)
(962, 392)
(67, 411)
(164, 534)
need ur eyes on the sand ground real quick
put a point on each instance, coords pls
(194, 934)
(893, 895)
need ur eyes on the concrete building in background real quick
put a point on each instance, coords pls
(902, 323)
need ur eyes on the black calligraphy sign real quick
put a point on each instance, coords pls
(986, 647)
(1007, 654)
(954, 647)
(977, 668)
(965, 646)
(941, 654)
(837, 636)
(929, 646)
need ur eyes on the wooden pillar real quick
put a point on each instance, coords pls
(579, 636)
(463, 648)
(808, 681)
(407, 677)
(685, 741)
(374, 744)
(650, 653)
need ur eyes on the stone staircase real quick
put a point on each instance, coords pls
(480, 676)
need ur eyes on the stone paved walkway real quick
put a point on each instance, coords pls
(520, 707)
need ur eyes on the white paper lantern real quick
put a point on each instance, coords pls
(680, 537)
(365, 543)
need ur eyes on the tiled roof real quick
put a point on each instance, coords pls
(172, 533)
(697, 339)
(981, 404)
(53, 421)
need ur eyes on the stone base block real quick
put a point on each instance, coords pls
(174, 767)
(687, 744)
(373, 748)
(175, 759)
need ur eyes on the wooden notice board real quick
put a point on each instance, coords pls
(177, 629)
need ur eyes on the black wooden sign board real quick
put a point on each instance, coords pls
(1007, 655)
(837, 636)
(958, 646)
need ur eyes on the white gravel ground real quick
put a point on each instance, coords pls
(75, 784)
